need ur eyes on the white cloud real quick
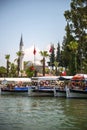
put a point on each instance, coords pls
(29, 56)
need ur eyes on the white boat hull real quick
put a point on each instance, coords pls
(70, 93)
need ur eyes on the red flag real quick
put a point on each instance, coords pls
(34, 51)
(51, 49)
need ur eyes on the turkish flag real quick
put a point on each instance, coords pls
(34, 51)
(50, 50)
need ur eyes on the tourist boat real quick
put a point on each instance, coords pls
(60, 90)
(13, 91)
(77, 87)
(43, 86)
(15, 86)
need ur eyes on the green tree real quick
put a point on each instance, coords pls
(56, 67)
(65, 53)
(52, 56)
(13, 72)
(30, 71)
(3, 71)
(76, 18)
(44, 54)
(19, 53)
(25, 64)
(73, 46)
(58, 54)
(7, 57)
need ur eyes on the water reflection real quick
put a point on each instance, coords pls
(39, 113)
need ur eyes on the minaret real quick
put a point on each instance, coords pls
(21, 49)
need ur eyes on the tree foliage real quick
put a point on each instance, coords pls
(58, 54)
(44, 54)
(3, 71)
(76, 31)
(52, 56)
(30, 71)
(7, 57)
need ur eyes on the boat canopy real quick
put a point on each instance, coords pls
(65, 77)
(45, 78)
(80, 77)
(6, 80)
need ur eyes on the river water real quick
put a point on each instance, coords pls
(42, 113)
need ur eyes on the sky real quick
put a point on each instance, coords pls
(40, 22)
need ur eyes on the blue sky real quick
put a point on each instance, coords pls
(41, 22)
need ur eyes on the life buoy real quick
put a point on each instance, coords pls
(73, 85)
(35, 83)
(79, 84)
(41, 83)
(62, 84)
(46, 82)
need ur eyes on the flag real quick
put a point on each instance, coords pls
(34, 51)
(51, 49)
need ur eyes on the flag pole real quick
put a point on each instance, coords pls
(34, 60)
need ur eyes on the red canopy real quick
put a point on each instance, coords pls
(79, 77)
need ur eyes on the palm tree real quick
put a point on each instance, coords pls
(56, 65)
(44, 54)
(13, 72)
(7, 57)
(25, 64)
